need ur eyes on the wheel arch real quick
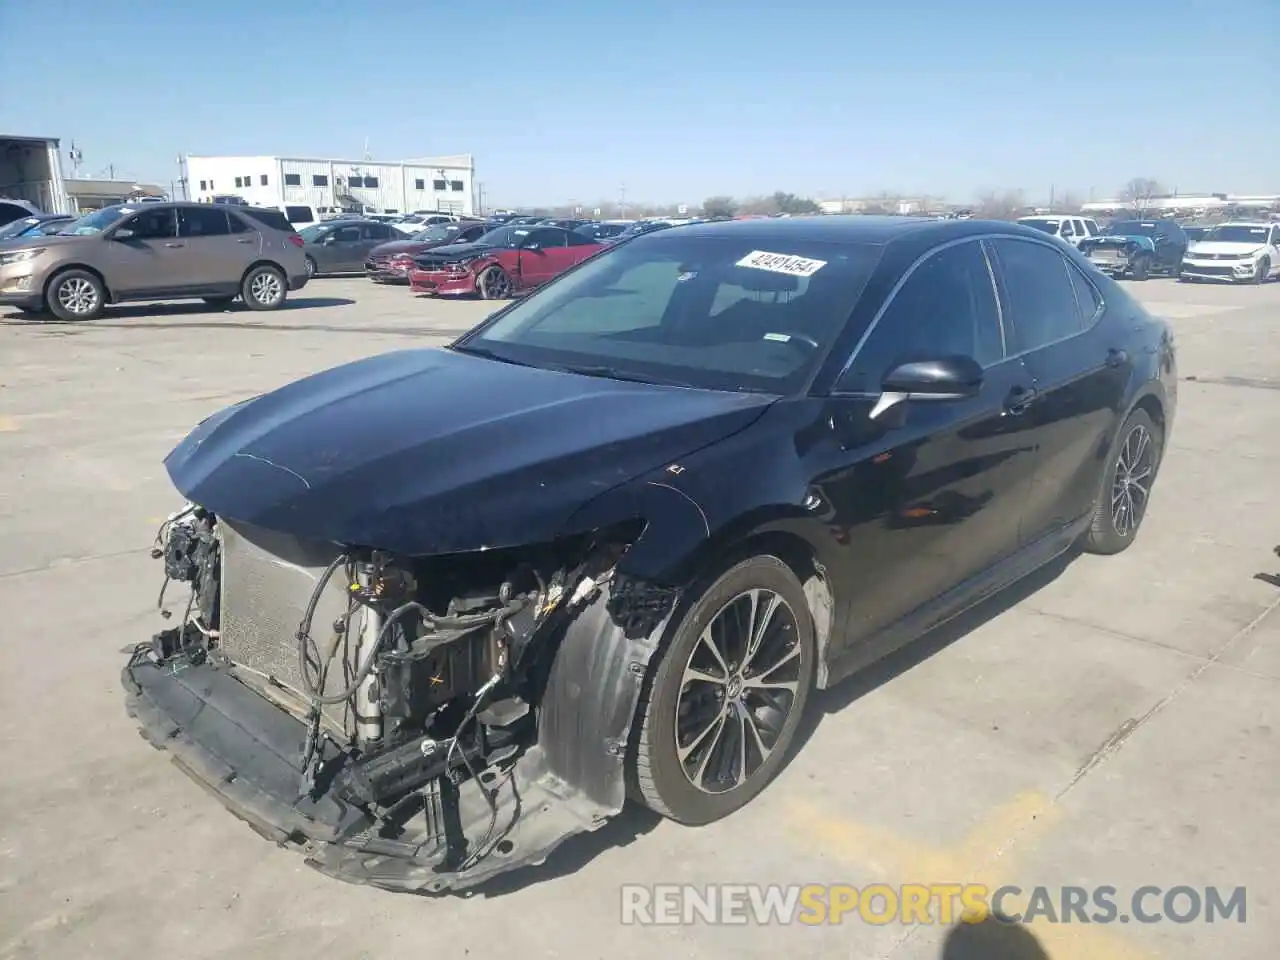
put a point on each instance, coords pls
(54, 274)
(264, 262)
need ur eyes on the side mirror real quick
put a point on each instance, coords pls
(123, 235)
(945, 378)
(329, 240)
(533, 247)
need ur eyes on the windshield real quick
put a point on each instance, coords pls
(1236, 233)
(1048, 226)
(437, 232)
(1131, 228)
(314, 232)
(504, 237)
(95, 222)
(18, 227)
(710, 313)
(1195, 233)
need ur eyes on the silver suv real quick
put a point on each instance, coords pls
(155, 251)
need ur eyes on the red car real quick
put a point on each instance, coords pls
(391, 262)
(503, 263)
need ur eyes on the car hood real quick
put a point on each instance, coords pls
(19, 243)
(399, 246)
(453, 252)
(433, 451)
(1115, 239)
(1223, 246)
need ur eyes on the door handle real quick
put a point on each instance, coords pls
(175, 244)
(1018, 400)
(243, 240)
(1116, 357)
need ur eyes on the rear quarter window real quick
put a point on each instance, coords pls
(299, 214)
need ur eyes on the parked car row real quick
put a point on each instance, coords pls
(494, 259)
(1137, 249)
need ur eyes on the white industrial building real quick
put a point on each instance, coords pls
(430, 183)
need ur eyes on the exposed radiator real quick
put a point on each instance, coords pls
(267, 580)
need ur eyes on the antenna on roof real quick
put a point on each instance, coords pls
(367, 156)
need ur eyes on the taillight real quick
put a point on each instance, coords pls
(296, 240)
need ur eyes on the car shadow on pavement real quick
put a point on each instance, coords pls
(992, 939)
(181, 309)
(576, 852)
(917, 651)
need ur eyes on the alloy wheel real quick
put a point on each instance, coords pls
(78, 296)
(738, 689)
(266, 288)
(1131, 485)
(496, 285)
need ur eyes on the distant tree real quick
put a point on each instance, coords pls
(1067, 202)
(1140, 190)
(875, 209)
(997, 205)
(790, 203)
(719, 206)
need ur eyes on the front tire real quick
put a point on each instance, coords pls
(1125, 487)
(494, 284)
(75, 295)
(1141, 268)
(724, 701)
(312, 269)
(263, 288)
(1264, 270)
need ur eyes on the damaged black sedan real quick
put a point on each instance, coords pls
(444, 608)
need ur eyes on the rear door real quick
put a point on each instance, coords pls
(373, 235)
(339, 251)
(1052, 313)
(150, 260)
(580, 247)
(217, 258)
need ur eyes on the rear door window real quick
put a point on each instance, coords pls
(299, 214)
(1040, 296)
(206, 221)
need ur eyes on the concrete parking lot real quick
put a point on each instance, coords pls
(1116, 722)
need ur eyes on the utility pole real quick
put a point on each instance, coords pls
(622, 202)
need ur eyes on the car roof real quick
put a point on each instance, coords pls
(850, 228)
(1246, 223)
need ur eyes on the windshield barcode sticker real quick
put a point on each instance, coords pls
(782, 263)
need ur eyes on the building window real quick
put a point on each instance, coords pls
(419, 184)
(438, 185)
(370, 181)
(290, 180)
(263, 179)
(319, 180)
(237, 181)
(248, 181)
(202, 186)
(455, 186)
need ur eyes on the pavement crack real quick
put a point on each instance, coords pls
(1127, 729)
(72, 561)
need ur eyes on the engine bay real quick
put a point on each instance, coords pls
(413, 676)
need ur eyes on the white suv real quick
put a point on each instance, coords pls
(1246, 252)
(1069, 229)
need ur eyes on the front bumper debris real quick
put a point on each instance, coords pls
(247, 752)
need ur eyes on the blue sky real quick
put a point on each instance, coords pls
(564, 100)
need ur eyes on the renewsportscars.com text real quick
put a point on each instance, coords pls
(920, 903)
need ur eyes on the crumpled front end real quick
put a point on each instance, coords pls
(416, 725)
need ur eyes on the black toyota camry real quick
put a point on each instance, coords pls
(451, 606)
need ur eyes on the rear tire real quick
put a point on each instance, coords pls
(312, 269)
(1124, 489)
(263, 288)
(708, 695)
(75, 295)
(1141, 268)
